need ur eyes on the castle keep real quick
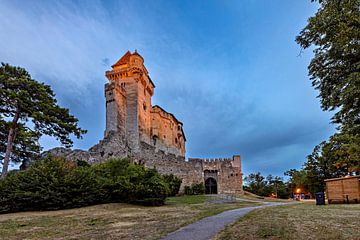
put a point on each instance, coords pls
(129, 110)
(150, 135)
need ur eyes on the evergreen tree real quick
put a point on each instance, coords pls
(28, 109)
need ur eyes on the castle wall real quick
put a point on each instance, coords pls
(170, 164)
(132, 120)
(144, 108)
(228, 173)
(167, 132)
(115, 108)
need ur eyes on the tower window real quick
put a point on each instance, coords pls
(144, 106)
(176, 140)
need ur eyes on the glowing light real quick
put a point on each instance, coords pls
(298, 190)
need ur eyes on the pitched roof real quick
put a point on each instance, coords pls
(136, 53)
(124, 59)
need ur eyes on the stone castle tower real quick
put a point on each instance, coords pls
(149, 135)
(130, 113)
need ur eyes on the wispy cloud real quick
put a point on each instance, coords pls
(229, 71)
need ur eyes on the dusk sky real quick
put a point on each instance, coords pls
(229, 70)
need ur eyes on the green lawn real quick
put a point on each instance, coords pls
(298, 221)
(112, 221)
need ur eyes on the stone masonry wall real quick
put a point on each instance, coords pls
(115, 108)
(229, 177)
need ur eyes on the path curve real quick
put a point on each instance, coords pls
(208, 227)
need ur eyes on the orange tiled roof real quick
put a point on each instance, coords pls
(124, 59)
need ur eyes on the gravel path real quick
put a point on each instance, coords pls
(208, 227)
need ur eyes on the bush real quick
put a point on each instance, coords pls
(195, 189)
(55, 183)
(174, 184)
(50, 184)
(121, 181)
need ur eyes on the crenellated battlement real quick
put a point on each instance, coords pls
(235, 161)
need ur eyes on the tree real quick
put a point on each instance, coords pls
(25, 144)
(256, 184)
(275, 185)
(345, 149)
(272, 186)
(28, 109)
(334, 32)
(298, 179)
(337, 157)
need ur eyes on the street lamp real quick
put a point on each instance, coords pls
(298, 191)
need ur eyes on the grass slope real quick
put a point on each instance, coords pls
(298, 221)
(112, 221)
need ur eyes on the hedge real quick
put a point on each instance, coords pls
(55, 183)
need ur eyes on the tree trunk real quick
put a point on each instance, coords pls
(10, 143)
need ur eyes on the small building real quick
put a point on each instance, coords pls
(343, 190)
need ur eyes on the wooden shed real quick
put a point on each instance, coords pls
(344, 190)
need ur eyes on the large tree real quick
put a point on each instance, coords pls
(334, 34)
(28, 109)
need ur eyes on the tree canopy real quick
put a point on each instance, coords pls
(334, 35)
(334, 32)
(28, 110)
(270, 186)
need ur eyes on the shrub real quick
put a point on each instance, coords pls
(174, 184)
(195, 189)
(188, 190)
(49, 184)
(55, 183)
(198, 189)
(121, 181)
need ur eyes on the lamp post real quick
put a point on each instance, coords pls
(298, 191)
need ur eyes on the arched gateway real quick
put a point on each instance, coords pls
(210, 186)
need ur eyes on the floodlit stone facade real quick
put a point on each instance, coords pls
(150, 135)
(129, 110)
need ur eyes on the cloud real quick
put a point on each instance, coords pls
(229, 72)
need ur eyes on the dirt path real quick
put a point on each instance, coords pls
(208, 227)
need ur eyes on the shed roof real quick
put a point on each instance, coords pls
(341, 178)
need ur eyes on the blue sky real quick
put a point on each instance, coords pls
(229, 70)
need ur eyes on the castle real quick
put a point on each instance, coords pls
(150, 135)
(129, 110)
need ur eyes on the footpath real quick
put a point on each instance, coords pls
(207, 228)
